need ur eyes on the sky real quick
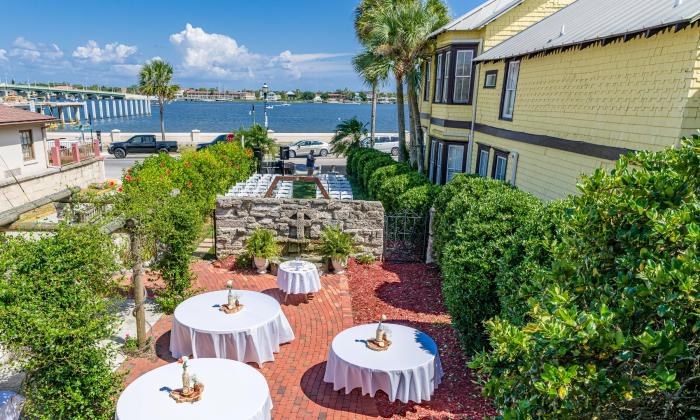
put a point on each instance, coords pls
(230, 45)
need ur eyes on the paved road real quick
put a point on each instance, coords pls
(114, 168)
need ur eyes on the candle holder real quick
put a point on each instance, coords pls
(187, 393)
(381, 341)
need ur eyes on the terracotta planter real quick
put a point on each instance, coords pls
(260, 264)
(338, 265)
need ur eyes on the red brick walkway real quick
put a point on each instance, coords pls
(296, 375)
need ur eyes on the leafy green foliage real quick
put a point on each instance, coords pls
(348, 134)
(262, 243)
(365, 259)
(616, 330)
(256, 136)
(473, 228)
(336, 244)
(170, 198)
(54, 318)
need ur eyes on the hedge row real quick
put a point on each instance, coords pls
(395, 184)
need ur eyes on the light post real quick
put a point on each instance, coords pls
(265, 90)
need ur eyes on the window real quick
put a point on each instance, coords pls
(446, 78)
(438, 168)
(463, 76)
(136, 140)
(437, 96)
(426, 85)
(490, 79)
(500, 164)
(27, 141)
(482, 161)
(455, 158)
(433, 146)
(509, 88)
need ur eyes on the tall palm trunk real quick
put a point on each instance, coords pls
(162, 119)
(411, 125)
(417, 130)
(403, 152)
(373, 118)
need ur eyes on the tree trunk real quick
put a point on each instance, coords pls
(420, 144)
(403, 153)
(162, 119)
(411, 125)
(373, 118)
(137, 281)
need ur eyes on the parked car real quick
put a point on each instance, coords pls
(142, 143)
(386, 144)
(222, 138)
(303, 147)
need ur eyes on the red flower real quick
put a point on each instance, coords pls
(167, 171)
(128, 171)
(162, 164)
(187, 164)
(128, 178)
(120, 189)
(111, 183)
(189, 183)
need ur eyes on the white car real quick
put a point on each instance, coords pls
(303, 147)
(386, 144)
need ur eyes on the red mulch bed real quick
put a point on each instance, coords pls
(410, 294)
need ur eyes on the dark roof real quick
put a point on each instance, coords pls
(11, 115)
(586, 21)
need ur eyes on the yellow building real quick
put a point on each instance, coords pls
(569, 93)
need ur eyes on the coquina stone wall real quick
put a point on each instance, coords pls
(297, 220)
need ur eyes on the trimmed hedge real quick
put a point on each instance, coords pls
(474, 227)
(395, 184)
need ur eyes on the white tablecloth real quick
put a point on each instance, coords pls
(409, 370)
(298, 277)
(252, 335)
(231, 390)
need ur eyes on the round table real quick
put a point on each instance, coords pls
(408, 370)
(295, 277)
(231, 390)
(253, 334)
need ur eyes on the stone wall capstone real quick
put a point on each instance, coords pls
(297, 220)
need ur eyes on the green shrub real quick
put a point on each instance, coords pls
(381, 174)
(616, 332)
(473, 228)
(365, 259)
(363, 155)
(262, 243)
(420, 198)
(371, 165)
(392, 188)
(55, 319)
(336, 244)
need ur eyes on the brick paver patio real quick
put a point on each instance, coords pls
(296, 375)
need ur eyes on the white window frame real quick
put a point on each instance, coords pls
(454, 163)
(446, 78)
(463, 75)
(437, 95)
(511, 86)
(500, 167)
(490, 76)
(28, 152)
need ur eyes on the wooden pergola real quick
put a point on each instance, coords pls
(277, 179)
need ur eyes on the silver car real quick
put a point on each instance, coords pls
(386, 144)
(303, 147)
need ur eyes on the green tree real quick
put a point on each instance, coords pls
(256, 136)
(155, 80)
(348, 134)
(374, 69)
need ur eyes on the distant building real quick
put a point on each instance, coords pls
(317, 98)
(291, 95)
(335, 98)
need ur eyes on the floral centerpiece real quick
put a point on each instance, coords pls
(233, 303)
(191, 390)
(381, 340)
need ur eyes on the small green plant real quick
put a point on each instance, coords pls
(336, 244)
(131, 346)
(365, 259)
(243, 261)
(262, 243)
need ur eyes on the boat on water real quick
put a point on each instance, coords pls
(270, 107)
(285, 104)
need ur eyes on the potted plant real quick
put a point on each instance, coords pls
(261, 245)
(337, 246)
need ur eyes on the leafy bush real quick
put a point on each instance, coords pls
(616, 332)
(419, 198)
(262, 243)
(365, 259)
(473, 228)
(55, 318)
(336, 244)
(371, 165)
(381, 174)
(392, 189)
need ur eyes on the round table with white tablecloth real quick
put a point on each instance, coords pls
(409, 370)
(231, 390)
(294, 277)
(253, 334)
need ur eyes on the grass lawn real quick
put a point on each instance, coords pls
(303, 189)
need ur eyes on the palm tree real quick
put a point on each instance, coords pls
(373, 69)
(154, 80)
(398, 30)
(348, 135)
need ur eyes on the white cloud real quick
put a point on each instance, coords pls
(217, 56)
(3, 54)
(111, 53)
(30, 51)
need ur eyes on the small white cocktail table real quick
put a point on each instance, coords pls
(297, 277)
(409, 370)
(231, 390)
(252, 335)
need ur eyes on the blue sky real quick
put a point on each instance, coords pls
(234, 44)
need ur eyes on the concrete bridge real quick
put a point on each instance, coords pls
(76, 105)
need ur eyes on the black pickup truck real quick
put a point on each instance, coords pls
(142, 143)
